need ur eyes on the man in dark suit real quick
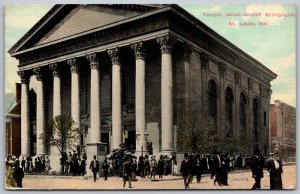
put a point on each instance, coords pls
(275, 170)
(239, 161)
(257, 169)
(94, 166)
(216, 168)
(105, 168)
(18, 174)
(186, 170)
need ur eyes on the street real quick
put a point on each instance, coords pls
(237, 180)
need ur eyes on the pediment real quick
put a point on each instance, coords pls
(64, 21)
(84, 18)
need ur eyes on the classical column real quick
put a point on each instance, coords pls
(116, 98)
(95, 99)
(166, 45)
(40, 112)
(56, 90)
(140, 118)
(25, 114)
(75, 97)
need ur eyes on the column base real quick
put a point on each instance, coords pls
(167, 152)
(41, 154)
(99, 149)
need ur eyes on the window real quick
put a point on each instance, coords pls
(228, 111)
(212, 101)
(243, 114)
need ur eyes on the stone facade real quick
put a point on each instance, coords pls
(129, 80)
(283, 130)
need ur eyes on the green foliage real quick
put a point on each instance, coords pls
(209, 139)
(61, 133)
(187, 130)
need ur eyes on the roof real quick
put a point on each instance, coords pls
(86, 17)
(62, 20)
(14, 110)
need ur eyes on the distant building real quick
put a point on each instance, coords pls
(13, 124)
(283, 130)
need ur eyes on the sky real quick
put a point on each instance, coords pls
(274, 44)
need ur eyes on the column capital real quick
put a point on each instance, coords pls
(54, 68)
(187, 52)
(92, 58)
(39, 73)
(139, 50)
(166, 43)
(24, 75)
(113, 54)
(73, 65)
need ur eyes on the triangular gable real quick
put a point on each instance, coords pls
(67, 20)
(15, 108)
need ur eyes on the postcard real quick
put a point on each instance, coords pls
(150, 96)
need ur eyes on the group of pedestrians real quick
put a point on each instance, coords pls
(14, 172)
(73, 164)
(218, 165)
(274, 167)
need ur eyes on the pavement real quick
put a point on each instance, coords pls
(237, 180)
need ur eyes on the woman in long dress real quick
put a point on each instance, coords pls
(275, 170)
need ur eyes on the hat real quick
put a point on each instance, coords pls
(186, 155)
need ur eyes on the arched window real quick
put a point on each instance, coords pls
(228, 111)
(243, 114)
(212, 101)
(255, 119)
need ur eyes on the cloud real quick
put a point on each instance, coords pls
(216, 7)
(28, 17)
(263, 8)
(282, 64)
(289, 98)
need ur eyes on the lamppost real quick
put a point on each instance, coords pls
(124, 112)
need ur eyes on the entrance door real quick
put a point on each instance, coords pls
(105, 139)
(130, 140)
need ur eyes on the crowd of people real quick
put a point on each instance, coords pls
(219, 164)
(123, 163)
(74, 164)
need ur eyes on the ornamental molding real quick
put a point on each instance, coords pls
(55, 70)
(38, 73)
(139, 50)
(25, 77)
(166, 43)
(73, 64)
(93, 60)
(95, 39)
(113, 54)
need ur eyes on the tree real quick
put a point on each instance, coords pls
(209, 141)
(187, 130)
(61, 134)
